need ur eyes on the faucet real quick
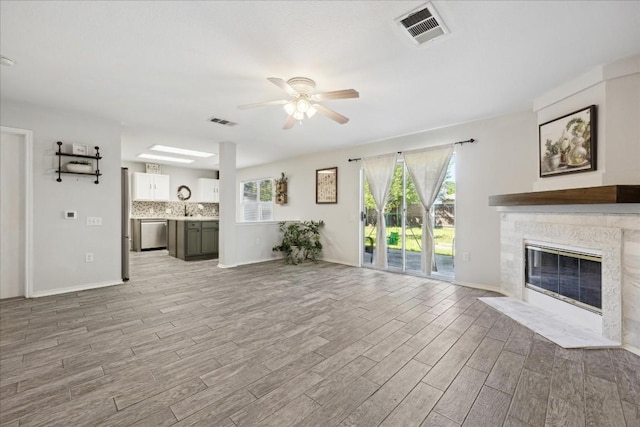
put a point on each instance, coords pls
(186, 212)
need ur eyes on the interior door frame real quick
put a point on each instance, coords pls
(27, 137)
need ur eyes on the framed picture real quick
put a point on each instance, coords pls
(568, 144)
(153, 168)
(80, 149)
(327, 186)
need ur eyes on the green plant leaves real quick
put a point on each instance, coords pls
(300, 241)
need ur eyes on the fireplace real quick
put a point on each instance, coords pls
(570, 275)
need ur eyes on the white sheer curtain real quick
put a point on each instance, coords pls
(379, 173)
(428, 169)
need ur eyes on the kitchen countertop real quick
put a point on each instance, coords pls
(182, 218)
(194, 218)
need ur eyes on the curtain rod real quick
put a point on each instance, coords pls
(470, 141)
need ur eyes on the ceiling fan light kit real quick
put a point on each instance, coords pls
(305, 100)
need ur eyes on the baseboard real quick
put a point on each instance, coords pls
(258, 261)
(227, 265)
(78, 288)
(632, 349)
(339, 262)
(253, 261)
(478, 286)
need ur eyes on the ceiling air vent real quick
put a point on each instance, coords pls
(222, 121)
(422, 24)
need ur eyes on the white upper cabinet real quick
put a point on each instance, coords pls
(148, 186)
(161, 187)
(208, 190)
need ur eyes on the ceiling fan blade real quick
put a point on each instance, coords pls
(336, 94)
(283, 85)
(333, 115)
(263, 104)
(288, 124)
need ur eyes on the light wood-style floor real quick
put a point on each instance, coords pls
(311, 345)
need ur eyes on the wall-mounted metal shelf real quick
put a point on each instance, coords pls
(95, 173)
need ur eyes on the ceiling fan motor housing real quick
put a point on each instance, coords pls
(302, 85)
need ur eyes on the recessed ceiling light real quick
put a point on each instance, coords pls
(182, 151)
(6, 61)
(165, 158)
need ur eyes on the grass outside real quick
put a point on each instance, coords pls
(443, 238)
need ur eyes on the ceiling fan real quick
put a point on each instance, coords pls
(304, 101)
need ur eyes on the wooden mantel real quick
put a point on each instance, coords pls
(607, 194)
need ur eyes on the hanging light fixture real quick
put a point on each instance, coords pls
(290, 108)
(299, 108)
(302, 105)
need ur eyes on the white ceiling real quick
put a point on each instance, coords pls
(164, 68)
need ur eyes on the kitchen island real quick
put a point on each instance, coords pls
(193, 238)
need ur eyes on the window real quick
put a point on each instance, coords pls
(256, 200)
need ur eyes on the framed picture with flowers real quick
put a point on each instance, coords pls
(568, 143)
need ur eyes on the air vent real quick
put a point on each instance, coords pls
(422, 24)
(222, 121)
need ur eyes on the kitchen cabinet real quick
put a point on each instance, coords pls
(208, 190)
(192, 239)
(150, 187)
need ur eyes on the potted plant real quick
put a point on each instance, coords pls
(552, 155)
(300, 241)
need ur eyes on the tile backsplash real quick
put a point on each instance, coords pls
(171, 209)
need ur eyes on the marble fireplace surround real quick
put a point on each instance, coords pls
(518, 229)
(615, 235)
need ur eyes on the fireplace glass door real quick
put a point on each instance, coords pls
(573, 277)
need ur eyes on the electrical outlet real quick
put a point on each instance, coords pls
(167, 211)
(465, 256)
(94, 220)
(88, 257)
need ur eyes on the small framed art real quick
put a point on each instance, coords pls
(80, 149)
(327, 186)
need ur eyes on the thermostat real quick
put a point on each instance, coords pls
(70, 214)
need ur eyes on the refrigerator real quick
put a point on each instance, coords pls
(124, 211)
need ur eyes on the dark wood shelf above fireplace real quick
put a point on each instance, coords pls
(607, 194)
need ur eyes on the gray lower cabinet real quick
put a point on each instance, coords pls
(210, 232)
(191, 240)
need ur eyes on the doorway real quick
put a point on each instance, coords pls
(15, 212)
(403, 221)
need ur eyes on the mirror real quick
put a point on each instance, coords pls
(184, 193)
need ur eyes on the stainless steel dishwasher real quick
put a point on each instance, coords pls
(153, 234)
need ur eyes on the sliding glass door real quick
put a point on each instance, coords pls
(403, 216)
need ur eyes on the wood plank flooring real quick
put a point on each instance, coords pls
(187, 343)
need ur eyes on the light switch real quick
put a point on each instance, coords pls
(94, 220)
(70, 214)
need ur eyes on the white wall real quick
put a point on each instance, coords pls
(502, 161)
(178, 176)
(615, 90)
(60, 245)
(623, 130)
